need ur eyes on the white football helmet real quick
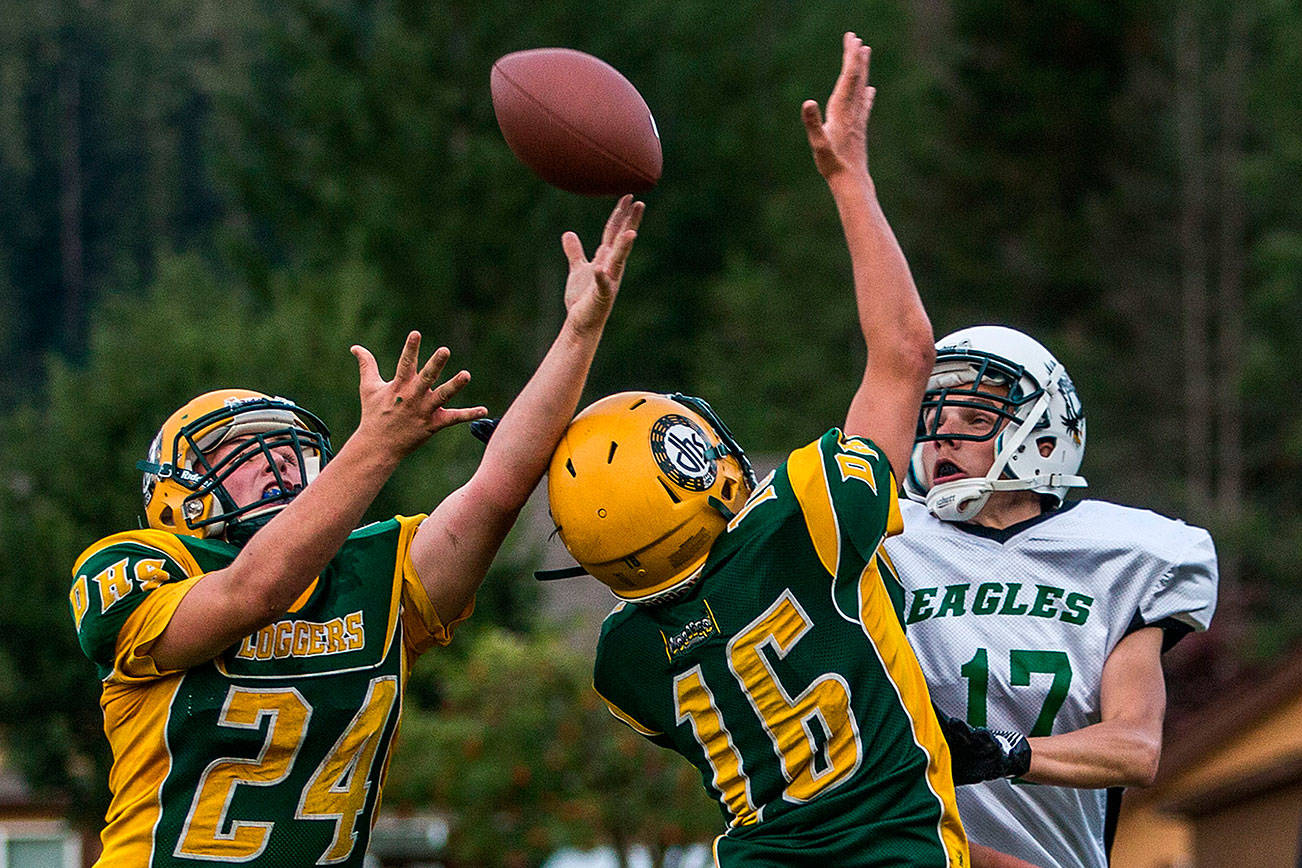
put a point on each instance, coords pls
(1041, 404)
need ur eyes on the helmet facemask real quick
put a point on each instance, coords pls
(258, 447)
(183, 470)
(978, 383)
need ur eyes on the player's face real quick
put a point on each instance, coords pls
(254, 479)
(947, 460)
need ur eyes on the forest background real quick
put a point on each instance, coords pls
(202, 194)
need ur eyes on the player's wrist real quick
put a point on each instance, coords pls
(372, 450)
(583, 328)
(851, 180)
(1016, 750)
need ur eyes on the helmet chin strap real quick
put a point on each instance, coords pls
(962, 499)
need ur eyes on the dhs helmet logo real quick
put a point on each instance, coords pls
(682, 452)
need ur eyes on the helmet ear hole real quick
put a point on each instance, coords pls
(1046, 445)
(165, 515)
(725, 493)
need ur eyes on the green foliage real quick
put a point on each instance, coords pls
(368, 128)
(103, 161)
(525, 759)
(370, 125)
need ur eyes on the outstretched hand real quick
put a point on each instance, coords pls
(840, 144)
(404, 412)
(592, 285)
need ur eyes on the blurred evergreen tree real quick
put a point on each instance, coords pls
(103, 161)
(1267, 536)
(371, 124)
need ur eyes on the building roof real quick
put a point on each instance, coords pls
(1246, 739)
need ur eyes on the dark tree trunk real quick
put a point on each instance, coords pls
(71, 246)
(1193, 256)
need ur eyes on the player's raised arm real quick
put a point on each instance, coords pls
(894, 323)
(455, 545)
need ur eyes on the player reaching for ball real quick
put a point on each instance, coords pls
(1032, 613)
(253, 645)
(760, 635)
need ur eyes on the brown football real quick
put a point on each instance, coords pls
(576, 122)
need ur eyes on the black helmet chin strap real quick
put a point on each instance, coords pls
(561, 573)
(722, 508)
(186, 477)
(240, 532)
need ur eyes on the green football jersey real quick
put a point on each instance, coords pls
(273, 753)
(786, 679)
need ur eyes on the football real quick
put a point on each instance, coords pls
(576, 121)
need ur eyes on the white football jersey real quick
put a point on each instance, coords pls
(1012, 631)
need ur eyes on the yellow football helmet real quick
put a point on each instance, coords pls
(640, 487)
(183, 489)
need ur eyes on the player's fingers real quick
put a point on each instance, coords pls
(853, 69)
(448, 416)
(619, 253)
(407, 361)
(446, 391)
(858, 96)
(573, 249)
(612, 255)
(618, 218)
(635, 213)
(813, 119)
(851, 51)
(367, 368)
(434, 366)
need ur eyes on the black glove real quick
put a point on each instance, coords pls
(979, 754)
(483, 429)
